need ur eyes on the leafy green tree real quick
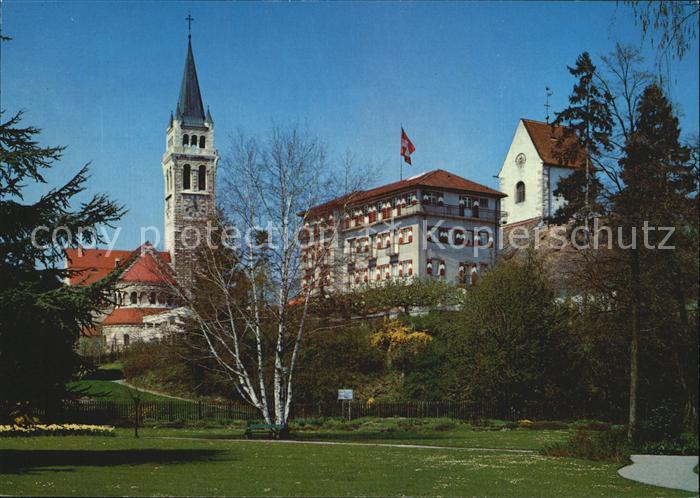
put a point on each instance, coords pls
(336, 358)
(397, 295)
(513, 347)
(40, 317)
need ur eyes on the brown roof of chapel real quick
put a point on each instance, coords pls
(551, 141)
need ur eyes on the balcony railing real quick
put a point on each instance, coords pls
(480, 213)
(487, 215)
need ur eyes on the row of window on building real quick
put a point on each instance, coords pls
(192, 179)
(467, 273)
(467, 206)
(192, 141)
(459, 237)
(136, 298)
(381, 240)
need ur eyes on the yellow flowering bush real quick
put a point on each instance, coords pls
(56, 430)
(394, 334)
(401, 343)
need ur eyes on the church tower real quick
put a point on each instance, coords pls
(189, 174)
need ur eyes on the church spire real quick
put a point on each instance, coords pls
(190, 108)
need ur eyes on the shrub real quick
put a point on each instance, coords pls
(610, 445)
(55, 430)
(543, 425)
(591, 425)
(685, 444)
(665, 423)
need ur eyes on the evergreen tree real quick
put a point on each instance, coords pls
(660, 190)
(588, 123)
(40, 317)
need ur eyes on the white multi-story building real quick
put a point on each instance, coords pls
(532, 169)
(436, 224)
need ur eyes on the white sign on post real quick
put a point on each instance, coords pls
(344, 394)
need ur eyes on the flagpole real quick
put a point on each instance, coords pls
(400, 156)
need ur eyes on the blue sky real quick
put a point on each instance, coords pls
(102, 77)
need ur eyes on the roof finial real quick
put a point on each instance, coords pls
(549, 93)
(189, 20)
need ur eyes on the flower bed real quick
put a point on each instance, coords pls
(55, 430)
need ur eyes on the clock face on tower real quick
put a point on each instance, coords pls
(195, 206)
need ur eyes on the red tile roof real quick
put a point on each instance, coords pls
(131, 316)
(438, 178)
(91, 332)
(551, 141)
(147, 269)
(95, 264)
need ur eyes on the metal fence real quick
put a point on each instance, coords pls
(173, 411)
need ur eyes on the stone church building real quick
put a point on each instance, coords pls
(144, 306)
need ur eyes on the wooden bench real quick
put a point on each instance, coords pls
(271, 430)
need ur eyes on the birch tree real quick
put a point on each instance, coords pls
(248, 309)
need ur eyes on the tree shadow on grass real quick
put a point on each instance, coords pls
(26, 461)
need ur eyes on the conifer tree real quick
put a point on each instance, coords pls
(40, 317)
(589, 119)
(660, 190)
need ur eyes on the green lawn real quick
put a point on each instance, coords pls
(461, 436)
(114, 365)
(108, 390)
(122, 465)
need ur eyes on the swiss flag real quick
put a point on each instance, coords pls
(407, 147)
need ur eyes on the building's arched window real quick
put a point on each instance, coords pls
(126, 339)
(152, 298)
(520, 192)
(202, 142)
(193, 141)
(186, 177)
(475, 210)
(185, 140)
(202, 177)
(134, 298)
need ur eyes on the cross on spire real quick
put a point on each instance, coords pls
(189, 20)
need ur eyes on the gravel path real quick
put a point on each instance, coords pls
(675, 472)
(338, 443)
(149, 391)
